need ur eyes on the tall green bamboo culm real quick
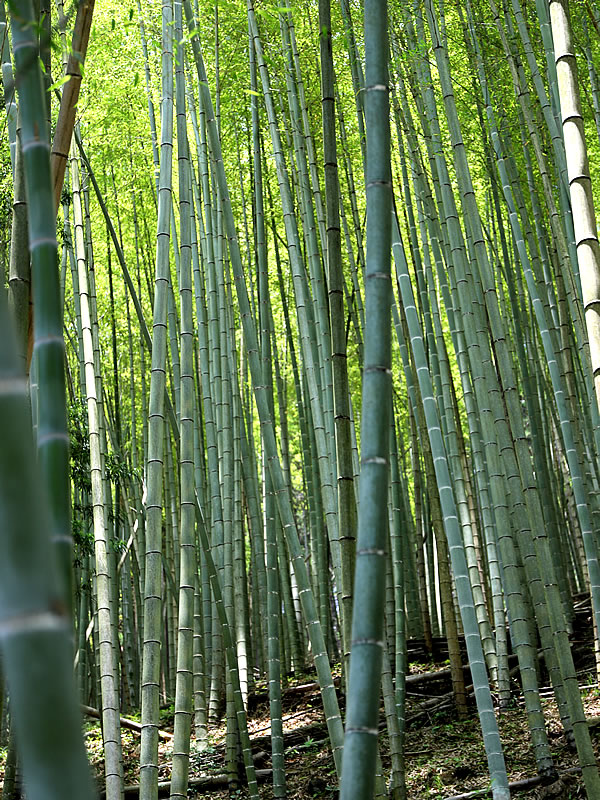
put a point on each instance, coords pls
(156, 436)
(19, 280)
(268, 534)
(109, 682)
(49, 346)
(346, 498)
(187, 555)
(35, 628)
(362, 719)
(8, 86)
(584, 216)
(322, 665)
(489, 725)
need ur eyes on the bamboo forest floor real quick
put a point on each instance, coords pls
(444, 757)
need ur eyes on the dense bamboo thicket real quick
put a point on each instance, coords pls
(299, 362)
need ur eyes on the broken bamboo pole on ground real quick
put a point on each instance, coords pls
(125, 723)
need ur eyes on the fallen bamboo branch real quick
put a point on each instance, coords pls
(313, 686)
(516, 786)
(440, 701)
(125, 723)
(207, 782)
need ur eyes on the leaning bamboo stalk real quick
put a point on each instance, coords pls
(70, 96)
(418, 415)
(488, 722)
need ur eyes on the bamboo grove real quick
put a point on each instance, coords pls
(307, 367)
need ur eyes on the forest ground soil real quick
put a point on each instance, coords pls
(444, 756)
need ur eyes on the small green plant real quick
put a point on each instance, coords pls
(308, 744)
(591, 687)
